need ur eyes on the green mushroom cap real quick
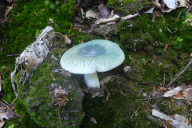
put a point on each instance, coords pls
(96, 55)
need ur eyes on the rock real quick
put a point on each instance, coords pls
(127, 69)
(166, 66)
(50, 97)
(105, 29)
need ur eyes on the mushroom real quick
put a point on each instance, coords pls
(90, 57)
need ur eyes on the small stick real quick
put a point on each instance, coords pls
(82, 12)
(189, 9)
(179, 73)
(59, 113)
(107, 92)
(180, 14)
(164, 80)
(134, 113)
(13, 55)
(6, 102)
(4, 21)
(152, 98)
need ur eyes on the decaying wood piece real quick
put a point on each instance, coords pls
(33, 55)
(129, 16)
(106, 20)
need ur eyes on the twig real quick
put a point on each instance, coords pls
(107, 92)
(82, 13)
(179, 73)
(59, 113)
(134, 113)
(152, 98)
(13, 54)
(6, 102)
(4, 21)
(179, 14)
(189, 9)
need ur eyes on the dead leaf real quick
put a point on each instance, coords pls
(149, 10)
(183, 120)
(103, 11)
(93, 120)
(164, 8)
(52, 76)
(105, 80)
(182, 3)
(62, 99)
(168, 123)
(60, 92)
(188, 93)
(166, 46)
(178, 103)
(179, 94)
(65, 73)
(91, 14)
(161, 89)
(173, 92)
(2, 106)
(67, 40)
(170, 3)
(175, 123)
(187, 101)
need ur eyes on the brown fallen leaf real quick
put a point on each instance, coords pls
(168, 123)
(60, 92)
(166, 46)
(189, 121)
(52, 76)
(161, 89)
(179, 94)
(67, 40)
(63, 99)
(189, 93)
(93, 120)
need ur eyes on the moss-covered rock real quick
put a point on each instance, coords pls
(51, 97)
(127, 7)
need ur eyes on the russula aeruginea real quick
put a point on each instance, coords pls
(90, 57)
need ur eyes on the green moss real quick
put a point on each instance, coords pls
(115, 111)
(37, 95)
(126, 7)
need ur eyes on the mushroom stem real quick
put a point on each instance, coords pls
(92, 80)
